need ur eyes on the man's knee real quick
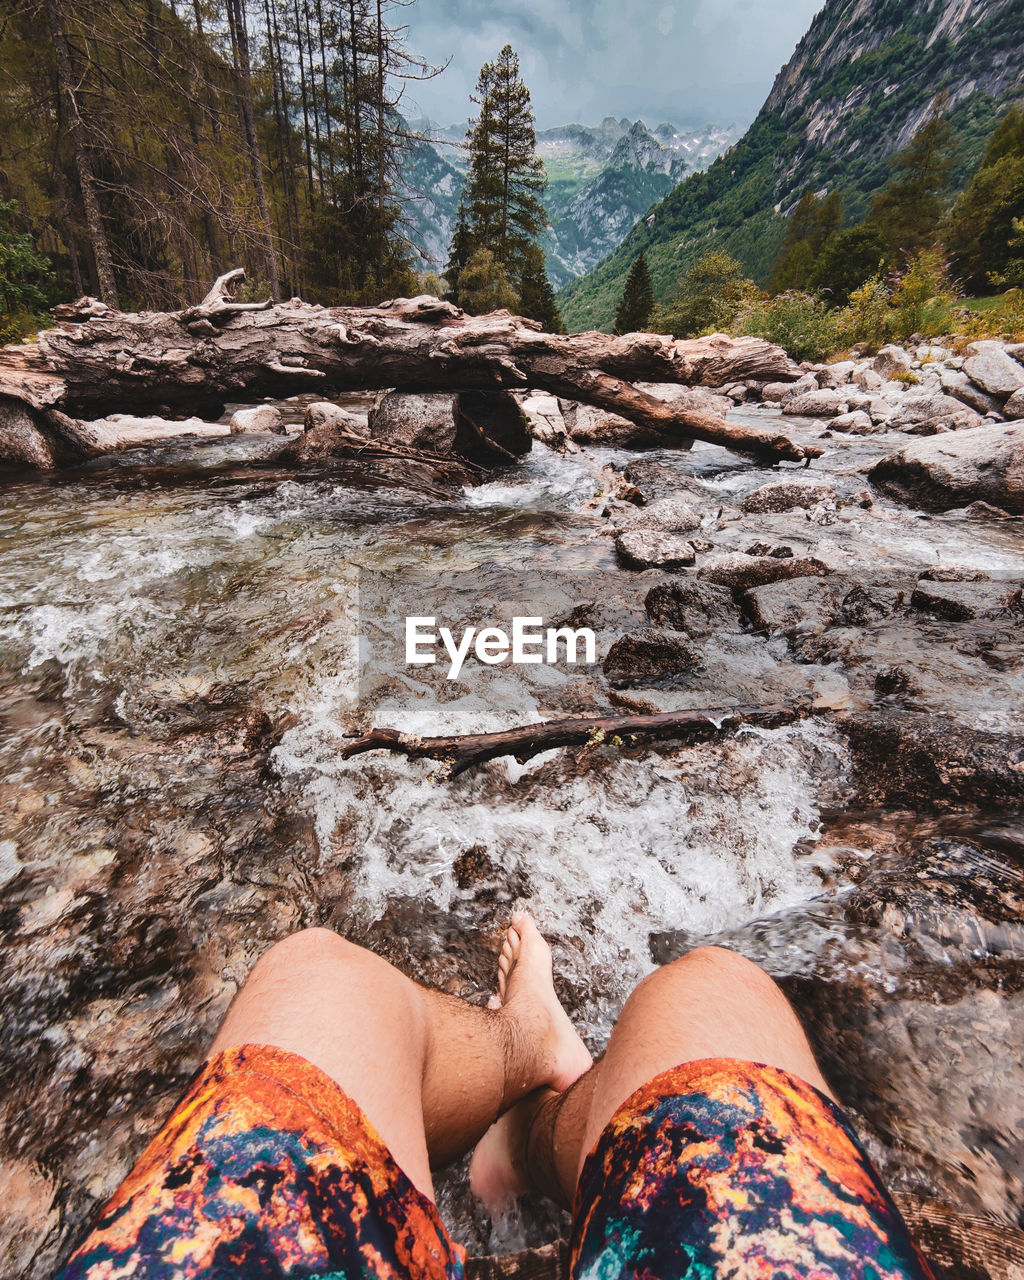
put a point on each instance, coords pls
(307, 951)
(706, 970)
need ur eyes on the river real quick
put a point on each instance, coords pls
(179, 665)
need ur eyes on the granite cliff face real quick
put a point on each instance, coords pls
(858, 85)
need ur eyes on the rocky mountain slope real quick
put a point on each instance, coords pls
(601, 179)
(858, 85)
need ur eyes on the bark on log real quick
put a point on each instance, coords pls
(460, 752)
(98, 361)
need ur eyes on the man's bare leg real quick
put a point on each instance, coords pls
(429, 1071)
(710, 1004)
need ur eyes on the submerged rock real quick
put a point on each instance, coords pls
(691, 606)
(983, 465)
(965, 601)
(649, 654)
(797, 605)
(737, 570)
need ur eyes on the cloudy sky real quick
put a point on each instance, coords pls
(689, 61)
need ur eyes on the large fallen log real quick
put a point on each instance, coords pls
(460, 752)
(98, 361)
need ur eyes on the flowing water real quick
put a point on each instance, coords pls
(179, 666)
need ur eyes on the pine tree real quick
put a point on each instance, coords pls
(637, 298)
(501, 210)
(811, 226)
(536, 296)
(980, 230)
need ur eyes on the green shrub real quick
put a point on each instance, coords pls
(924, 297)
(800, 323)
(867, 319)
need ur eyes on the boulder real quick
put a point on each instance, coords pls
(989, 366)
(784, 495)
(322, 413)
(815, 404)
(954, 470)
(891, 359)
(1014, 407)
(648, 654)
(930, 351)
(929, 414)
(587, 425)
(692, 607)
(868, 380)
(415, 421)
(490, 428)
(965, 601)
(653, 480)
(696, 399)
(673, 515)
(836, 375)
(797, 606)
(957, 384)
(545, 418)
(868, 602)
(857, 423)
(652, 549)
(737, 571)
(262, 417)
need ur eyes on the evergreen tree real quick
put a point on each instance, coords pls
(501, 211)
(484, 285)
(810, 228)
(907, 213)
(536, 296)
(980, 229)
(637, 298)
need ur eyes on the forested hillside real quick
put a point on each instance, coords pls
(147, 145)
(855, 91)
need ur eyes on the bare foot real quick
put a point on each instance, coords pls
(527, 994)
(498, 1170)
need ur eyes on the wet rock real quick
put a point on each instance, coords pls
(673, 515)
(964, 601)
(815, 404)
(779, 550)
(1014, 407)
(587, 425)
(425, 421)
(930, 414)
(785, 495)
(986, 464)
(892, 682)
(796, 606)
(907, 758)
(738, 571)
(656, 480)
(857, 423)
(322, 413)
(263, 417)
(693, 399)
(490, 428)
(953, 573)
(776, 392)
(989, 366)
(891, 359)
(648, 654)
(868, 602)
(652, 549)
(692, 607)
(545, 418)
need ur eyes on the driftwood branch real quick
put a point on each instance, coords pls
(460, 752)
(98, 361)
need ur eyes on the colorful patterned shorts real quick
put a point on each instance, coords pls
(715, 1168)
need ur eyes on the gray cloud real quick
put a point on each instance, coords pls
(689, 61)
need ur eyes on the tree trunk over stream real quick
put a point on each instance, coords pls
(98, 361)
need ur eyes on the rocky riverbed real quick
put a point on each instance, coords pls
(178, 667)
